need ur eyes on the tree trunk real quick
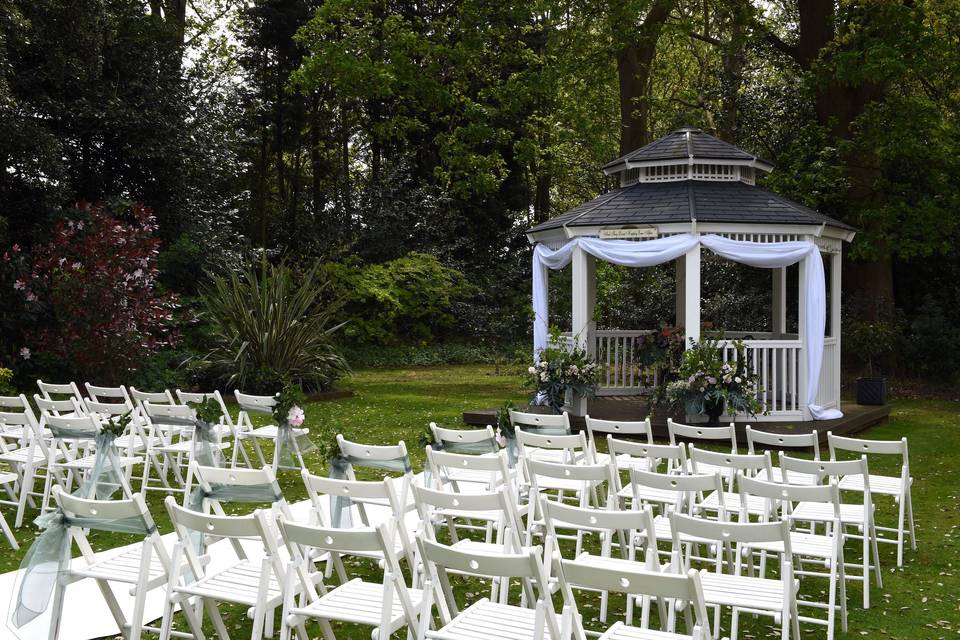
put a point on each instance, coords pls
(636, 48)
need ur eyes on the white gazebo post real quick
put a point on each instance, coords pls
(691, 295)
(801, 331)
(779, 302)
(584, 283)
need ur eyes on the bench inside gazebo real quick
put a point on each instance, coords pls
(678, 196)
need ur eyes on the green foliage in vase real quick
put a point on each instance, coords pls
(269, 326)
(560, 370)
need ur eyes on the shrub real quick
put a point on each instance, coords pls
(89, 306)
(6, 382)
(270, 327)
(406, 300)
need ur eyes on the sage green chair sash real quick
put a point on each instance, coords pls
(341, 506)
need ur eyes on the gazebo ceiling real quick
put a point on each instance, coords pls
(684, 177)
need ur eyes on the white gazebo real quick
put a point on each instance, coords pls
(680, 195)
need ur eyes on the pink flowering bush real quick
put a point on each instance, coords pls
(88, 295)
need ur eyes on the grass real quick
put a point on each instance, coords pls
(917, 601)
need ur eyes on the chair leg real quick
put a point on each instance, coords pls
(900, 529)
(876, 555)
(217, 619)
(866, 567)
(8, 533)
(913, 537)
(136, 620)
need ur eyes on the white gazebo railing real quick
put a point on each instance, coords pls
(828, 393)
(777, 364)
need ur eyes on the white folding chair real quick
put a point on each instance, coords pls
(246, 431)
(227, 425)
(67, 391)
(639, 430)
(344, 509)
(674, 493)
(72, 455)
(142, 568)
(727, 465)
(742, 593)
(646, 457)
(109, 395)
(478, 442)
(70, 407)
(542, 423)
(810, 549)
(173, 447)
(858, 516)
(896, 486)
(458, 471)
(484, 618)
(497, 508)
(380, 458)
(15, 430)
(693, 434)
(28, 461)
(387, 606)
(634, 581)
(155, 397)
(631, 528)
(252, 583)
(781, 441)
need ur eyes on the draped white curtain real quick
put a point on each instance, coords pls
(767, 255)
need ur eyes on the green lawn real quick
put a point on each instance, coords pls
(917, 601)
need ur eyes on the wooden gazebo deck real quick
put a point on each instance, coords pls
(855, 418)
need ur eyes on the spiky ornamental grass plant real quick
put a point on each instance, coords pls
(271, 327)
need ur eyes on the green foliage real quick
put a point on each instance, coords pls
(870, 339)
(271, 326)
(208, 411)
(117, 425)
(290, 396)
(405, 300)
(509, 355)
(6, 382)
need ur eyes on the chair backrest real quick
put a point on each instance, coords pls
(870, 447)
(71, 424)
(593, 476)
(109, 394)
(47, 406)
(675, 455)
(536, 421)
(208, 478)
(619, 428)
(105, 410)
(824, 469)
(49, 389)
(157, 413)
(738, 534)
(586, 574)
(573, 446)
(157, 398)
(187, 523)
(639, 522)
(372, 452)
(191, 397)
(132, 507)
(693, 432)
(260, 404)
(687, 487)
(461, 436)
(782, 441)
(749, 464)
(525, 566)
(18, 404)
(782, 496)
(443, 467)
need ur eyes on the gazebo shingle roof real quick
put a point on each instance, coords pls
(683, 144)
(688, 200)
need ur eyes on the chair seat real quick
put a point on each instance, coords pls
(485, 619)
(620, 631)
(776, 475)
(137, 443)
(650, 494)
(823, 512)
(87, 462)
(755, 504)
(7, 477)
(270, 432)
(808, 545)
(557, 456)
(743, 591)
(886, 485)
(626, 461)
(663, 531)
(358, 602)
(474, 476)
(22, 456)
(562, 484)
(124, 567)
(238, 583)
(184, 447)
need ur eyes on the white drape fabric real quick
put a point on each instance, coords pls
(768, 255)
(622, 252)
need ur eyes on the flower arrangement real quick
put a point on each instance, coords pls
(560, 370)
(662, 349)
(709, 385)
(288, 408)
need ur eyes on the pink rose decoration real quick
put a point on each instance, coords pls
(295, 417)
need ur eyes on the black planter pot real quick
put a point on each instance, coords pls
(714, 411)
(871, 391)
